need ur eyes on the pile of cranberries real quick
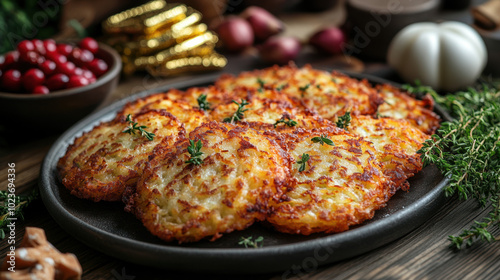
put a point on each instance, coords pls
(41, 67)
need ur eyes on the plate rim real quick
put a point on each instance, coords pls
(121, 246)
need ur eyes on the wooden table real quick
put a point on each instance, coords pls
(421, 254)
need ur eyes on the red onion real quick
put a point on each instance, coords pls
(329, 40)
(235, 33)
(264, 24)
(279, 50)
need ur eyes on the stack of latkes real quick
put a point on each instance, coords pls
(300, 149)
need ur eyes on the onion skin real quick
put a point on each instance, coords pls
(264, 24)
(329, 40)
(279, 50)
(235, 33)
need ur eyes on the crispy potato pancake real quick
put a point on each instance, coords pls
(242, 170)
(101, 163)
(400, 105)
(190, 116)
(396, 143)
(264, 113)
(329, 94)
(341, 185)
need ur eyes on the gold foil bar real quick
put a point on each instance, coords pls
(164, 19)
(149, 21)
(193, 18)
(126, 19)
(166, 40)
(177, 66)
(195, 46)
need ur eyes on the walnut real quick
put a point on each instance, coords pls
(36, 258)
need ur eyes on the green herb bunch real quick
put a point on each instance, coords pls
(467, 150)
(21, 202)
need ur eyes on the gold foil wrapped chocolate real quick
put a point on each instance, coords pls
(153, 34)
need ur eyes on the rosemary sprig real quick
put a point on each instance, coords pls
(248, 242)
(194, 149)
(288, 122)
(322, 139)
(21, 202)
(305, 157)
(344, 121)
(467, 150)
(203, 103)
(238, 115)
(134, 127)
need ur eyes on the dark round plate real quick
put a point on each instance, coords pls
(105, 227)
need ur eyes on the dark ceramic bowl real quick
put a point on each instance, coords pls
(58, 110)
(371, 25)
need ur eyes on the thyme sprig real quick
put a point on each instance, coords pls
(194, 149)
(20, 201)
(288, 122)
(322, 139)
(303, 89)
(344, 121)
(134, 127)
(248, 242)
(203, 103)
(303, 160)
(467, 150)
(238, 115)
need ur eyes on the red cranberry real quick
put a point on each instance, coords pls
(77, 81)
(32, 78)
(89, 44)
(67, 68)
(57, 82)
(41, 90)
(50, 45)
(39, 47)
(98, 67)
(11, 80)
(57, 58)
(48, 67)
(30, 57)
(78, 71)
(81, 57)
(10, 59)
(25, 46)
(40, 60)
(64, 49)
(88, 74)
